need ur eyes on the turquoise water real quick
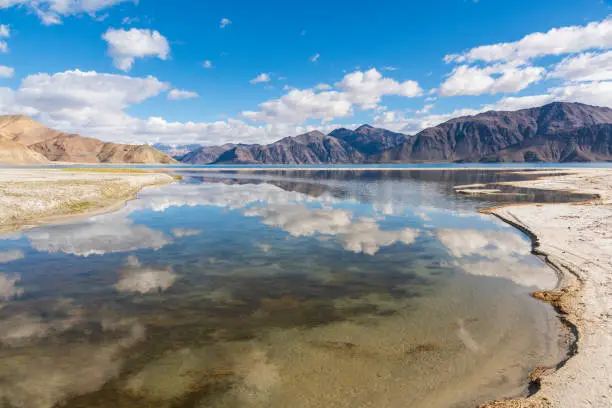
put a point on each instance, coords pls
(276, 289)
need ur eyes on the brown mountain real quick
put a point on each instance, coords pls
(205, 154)
(557, 132)
(309, 148)
(369, 140)
(14, 154)
(554, 132)
(25, 141)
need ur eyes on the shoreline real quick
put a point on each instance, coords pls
(31, 198)
(564, 235)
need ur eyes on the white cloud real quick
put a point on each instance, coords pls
(323, 87)
(68, 369)
(5, 32)
(426, 109)
(362, 235)
(367, 88)
(124, 46)
(263, 77)
(207, 64)
(557, 41)
(398, 121)
(497, 253)
(6, 72)
(136, 278)
(390, 68)
(315, 57)
(110, 233)
(185, 232)
(364, 89)
(76, 100)
(224, 22)
(11, 255)
(8, 287)
(498, 78)
(51, 11)
(585, 67)
(483, 244)
(299, 105)
(177, 94)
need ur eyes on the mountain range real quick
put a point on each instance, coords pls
(23, 141)
(557, 132)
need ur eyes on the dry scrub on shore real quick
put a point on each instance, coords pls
(31, 197)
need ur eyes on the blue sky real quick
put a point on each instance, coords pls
(136, 72)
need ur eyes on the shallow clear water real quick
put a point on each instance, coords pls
(278, 289)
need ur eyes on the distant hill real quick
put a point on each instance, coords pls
(557, 132)
(309, 148)
(205, 154)
(25, 141)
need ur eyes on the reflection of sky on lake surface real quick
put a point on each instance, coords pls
(273, 290)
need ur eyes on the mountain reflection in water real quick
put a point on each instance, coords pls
(276, 289)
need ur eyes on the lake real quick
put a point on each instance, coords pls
(262, 288)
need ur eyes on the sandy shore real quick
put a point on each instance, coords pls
(31, 197)
(576, 239)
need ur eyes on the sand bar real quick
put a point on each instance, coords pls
(577, 240)
(31, 197)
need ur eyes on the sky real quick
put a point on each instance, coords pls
(187, 71)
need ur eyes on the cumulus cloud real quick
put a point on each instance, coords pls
(493, 245)
(136, 278)
(51, 11)
(109, 233)
(9, 288)
(207, 64)
(178, 94)
(124, 46)
(6, 72)
(91, 103)
(502, 253)
(585, 67)
(11, 255)
(367, 88)
(185, 232)
(224, 22)
(23, 328)
(299, 105)
(498, 78)
(364, 89)
(49, 374)
(399, 121)
(557, 41)
(263, 77)
(362, 235)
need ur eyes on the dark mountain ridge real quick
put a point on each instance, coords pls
(557, 132)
